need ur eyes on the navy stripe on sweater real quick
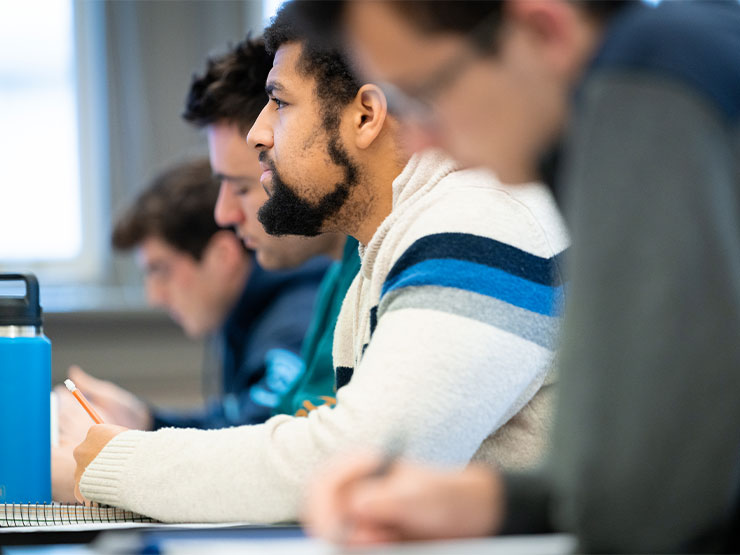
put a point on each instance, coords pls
(483, 266)
(343, 376)
(479, 250)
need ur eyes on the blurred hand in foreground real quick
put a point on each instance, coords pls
(349, 504)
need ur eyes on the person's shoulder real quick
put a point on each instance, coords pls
(310, 272)
(694, 43)
(474, 202)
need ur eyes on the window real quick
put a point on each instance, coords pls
(43, 210)
(269, 9)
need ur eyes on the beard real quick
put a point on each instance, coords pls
(285, 213)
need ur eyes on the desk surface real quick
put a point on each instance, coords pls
(558, 544)
(288, 540)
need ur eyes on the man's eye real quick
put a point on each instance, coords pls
(279, 103)
(158, 271)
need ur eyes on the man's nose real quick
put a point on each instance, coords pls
(227, 212)
(260, 135)
(155, 293)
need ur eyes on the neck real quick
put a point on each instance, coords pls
(379, 201)
(240, 276)
(335, 246)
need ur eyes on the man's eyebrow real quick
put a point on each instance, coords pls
(273, 86)
(225, 177)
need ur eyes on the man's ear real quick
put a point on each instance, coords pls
(555, 28)
(371, 109)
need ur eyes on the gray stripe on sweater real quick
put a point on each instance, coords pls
(537, 328)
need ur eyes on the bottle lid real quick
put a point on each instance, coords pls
(21, 311)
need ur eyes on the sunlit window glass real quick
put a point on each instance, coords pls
(269, 9)
(39, 176)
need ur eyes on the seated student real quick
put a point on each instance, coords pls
(212, 287)
(646, 447)
(444, 339)
(226, 100)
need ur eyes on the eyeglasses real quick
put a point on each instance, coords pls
(417, 103)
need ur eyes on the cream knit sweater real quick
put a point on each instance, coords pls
(447, 334)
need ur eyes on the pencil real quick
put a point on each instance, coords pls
(84, 402)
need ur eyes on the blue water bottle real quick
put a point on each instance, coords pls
(25, 385)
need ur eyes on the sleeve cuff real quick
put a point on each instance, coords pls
(102, 478)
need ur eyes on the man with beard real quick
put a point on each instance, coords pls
(225, 101)
(444, 342)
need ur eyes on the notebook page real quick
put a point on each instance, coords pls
(32, 514)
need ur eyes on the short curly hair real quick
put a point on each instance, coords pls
(176, 207)
(232, 89)
(336, 84)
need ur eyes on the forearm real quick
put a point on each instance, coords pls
(186, 475)
(257, 473)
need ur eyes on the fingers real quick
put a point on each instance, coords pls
(351, 506)
(325, 512)
(378, 499)
(78, 495)
(423, 503)
(89, 385)
(79, 469)
(369, 533)
(77, 375)
(383, 508)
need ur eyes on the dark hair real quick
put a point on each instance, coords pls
(336, 85)
(481, 17)
(232, 89)
(177, 207)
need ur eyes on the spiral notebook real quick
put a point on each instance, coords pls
(33, 514)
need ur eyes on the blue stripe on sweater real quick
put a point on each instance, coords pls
(482, 279)
(480, 250)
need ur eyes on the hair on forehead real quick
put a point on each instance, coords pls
(336, 85)
(479, 20)
(465, 17)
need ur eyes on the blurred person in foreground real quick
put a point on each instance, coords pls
(444, 338)
(637, 108)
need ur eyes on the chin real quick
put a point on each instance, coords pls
(270, 263)
(193, 330)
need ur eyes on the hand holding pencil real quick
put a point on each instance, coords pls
(368, 498)
(97, 438)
